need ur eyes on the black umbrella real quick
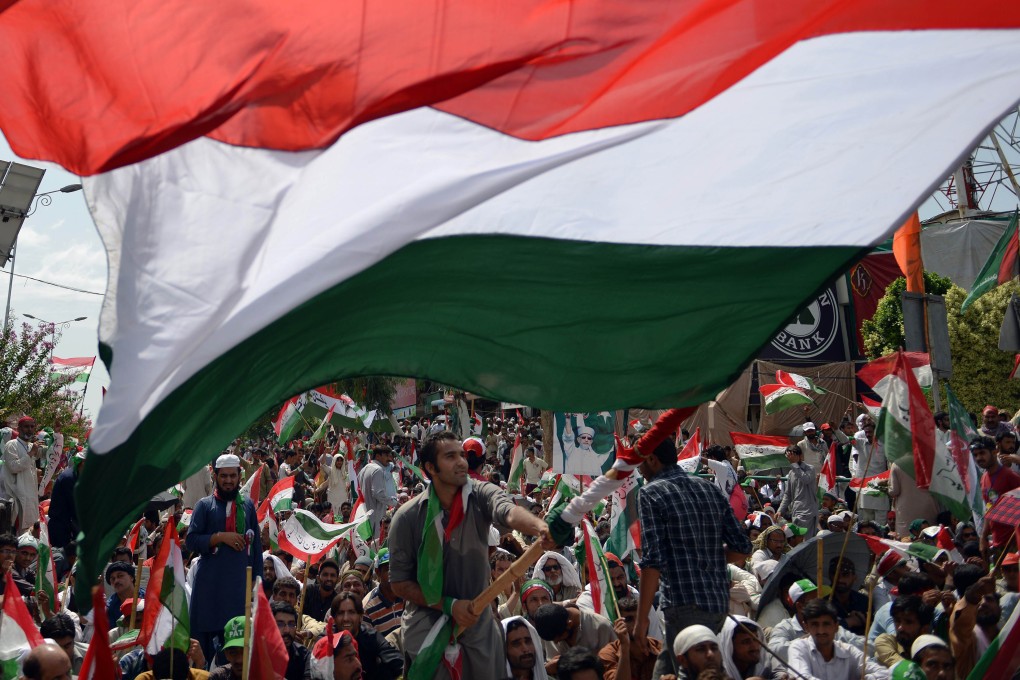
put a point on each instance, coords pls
(162, 501)
(802, 562)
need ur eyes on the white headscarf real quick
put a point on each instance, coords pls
(726, 646)
(570, 577)
(538, 673)
(278, 566)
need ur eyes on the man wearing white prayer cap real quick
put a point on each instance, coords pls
(813, 446)
(225, 532)
(696, 649)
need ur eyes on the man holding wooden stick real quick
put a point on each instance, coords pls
(439, 563)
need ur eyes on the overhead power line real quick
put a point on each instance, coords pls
(56, 285)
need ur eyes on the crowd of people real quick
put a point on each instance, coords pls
(701, 592)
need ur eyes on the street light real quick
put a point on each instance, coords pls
(64, 325)
(18, 201)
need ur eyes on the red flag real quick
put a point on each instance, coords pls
(268, 660)
(861, 483)
(133, 534)
(829, 468)
(98, 663)
(692, 448)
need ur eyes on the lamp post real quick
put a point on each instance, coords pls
(18, 201)
(64, 325)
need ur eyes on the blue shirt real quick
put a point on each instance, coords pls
(684, 523)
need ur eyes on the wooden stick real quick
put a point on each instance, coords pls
(516, 570)
(867, 626)
(248, 623)
(304, 589)
(134, 600)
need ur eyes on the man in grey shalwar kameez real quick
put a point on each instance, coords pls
(467, 509)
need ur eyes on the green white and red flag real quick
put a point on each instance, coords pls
(624, 522)
(760, 451)
(907, 436)
(961, 432)
(1002, 265)
(46, 573)
(361, 535)
(98, 663)
(873, 480)
(286, 151)
(565, 488)
(1002, 658)
(516, 465)
(165, 621)
(251, 487)
(18, 632)
(690, 456)
(801, 382)
(921, 551)
(134, 534)
(827, 476)
(874, 407)
(281, 497)
(288, 421)
(267, 520)
(307, 537)
(320, 431)
(879, 373)
(603, 597)
(79, 367)
(781, 397)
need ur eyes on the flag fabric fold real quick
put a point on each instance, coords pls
(595, 109)
(907, 250)
(603, 597)
(267, 656)
(689, 457)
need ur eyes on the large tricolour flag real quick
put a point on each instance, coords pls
(258, 173)
(165, 621)
(18, 633)
(760, 451)
(308, 538)
(781, 397)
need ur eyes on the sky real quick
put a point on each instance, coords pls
(59, 244)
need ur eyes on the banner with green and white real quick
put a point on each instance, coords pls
(760, 451)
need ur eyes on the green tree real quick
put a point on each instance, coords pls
(28, 388)
(372, 392)
(980, 369)
(883, 332)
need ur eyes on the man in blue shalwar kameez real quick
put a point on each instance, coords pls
(224, 531)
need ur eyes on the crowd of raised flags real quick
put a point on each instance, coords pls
(935, 600)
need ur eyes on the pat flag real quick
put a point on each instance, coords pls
(559, 135)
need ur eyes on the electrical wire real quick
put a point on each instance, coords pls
(57, 285)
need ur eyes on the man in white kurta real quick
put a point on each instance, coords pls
(19, 473)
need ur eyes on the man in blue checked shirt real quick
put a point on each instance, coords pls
(685, 522)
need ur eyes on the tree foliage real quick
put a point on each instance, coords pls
(372, 392)
(883, 333)
(27, 386)
(980, 369)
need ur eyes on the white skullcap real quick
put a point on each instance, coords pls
(493, 536)
(691, 636)
(228, 460)
(586, 430)
(924, 641)
(808, 426)
(860, 421)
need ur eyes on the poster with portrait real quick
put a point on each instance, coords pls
(584, 442)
